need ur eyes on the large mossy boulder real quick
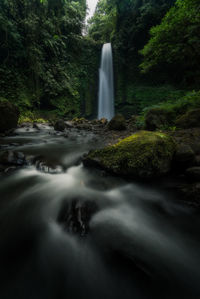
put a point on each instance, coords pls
(118, 123)
(141, 155)
(157, 118)
(9, 115)
(191, 119)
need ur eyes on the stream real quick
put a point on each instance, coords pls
(69, 232)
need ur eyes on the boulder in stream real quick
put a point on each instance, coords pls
(141, 155)
(59, 125)
(12, 158)
(75, 215)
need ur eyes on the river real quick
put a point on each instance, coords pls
(68, 232)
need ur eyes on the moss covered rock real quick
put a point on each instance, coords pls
(191, 119)
(118, 122)
(141, 155)
(158, 118)
(9, 115)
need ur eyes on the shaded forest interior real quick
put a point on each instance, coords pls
(49, 68)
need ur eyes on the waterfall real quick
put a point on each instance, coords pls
(106, 93)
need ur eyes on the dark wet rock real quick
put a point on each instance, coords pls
(45, 166)
(184, 156)
(36, 126)
(68, 124)
(118, 122)
(10, 169)
(157, 118)
(189, 120)
(75, 215)
(197, 160)
(83, 127)
(66, 135)
(12, 158)
(141, 155)
(193, 173)
(59, 125)
(25, 124)
(14, 144)
(189, 193)
(9, 115)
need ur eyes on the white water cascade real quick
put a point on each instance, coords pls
(106, 90)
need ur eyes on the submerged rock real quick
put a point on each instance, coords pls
(118, 122)
(9, 115)
(141, 155)
(36, 126)
(12, 158)
(75, 215)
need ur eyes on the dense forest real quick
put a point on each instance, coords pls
(48, 63)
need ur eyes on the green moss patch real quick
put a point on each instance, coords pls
(143, 155)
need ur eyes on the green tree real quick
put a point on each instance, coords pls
(175, 44)
(41, 41)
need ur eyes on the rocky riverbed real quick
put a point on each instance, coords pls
(65, 224)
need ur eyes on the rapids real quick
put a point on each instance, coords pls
(140, 242)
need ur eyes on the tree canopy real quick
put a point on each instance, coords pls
(175, 43)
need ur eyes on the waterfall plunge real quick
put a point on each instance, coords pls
(106, 93)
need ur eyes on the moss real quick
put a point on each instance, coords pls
(32, 117)
(79, 120)
(144, 154)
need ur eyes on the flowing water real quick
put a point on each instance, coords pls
(140, 242)
(106, 90)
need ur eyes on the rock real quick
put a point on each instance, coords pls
(83, 127)
(191, 119)
(9, 115)
(68, 124)
(190, 193)
(118, 122)
(193, 173)
(75, 215)
(103, 121)
(184, 156)
(35, 126)
(45, 166)
(59, 125)
(12, 158)
(141, 155)
(197, 160)
(157, 118)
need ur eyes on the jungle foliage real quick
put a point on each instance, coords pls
(156, 47)
(41, 54)
(175, 44)
(47, 63)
